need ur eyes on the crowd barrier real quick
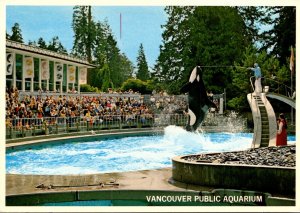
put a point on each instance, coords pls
(28, 127)
(135, 96)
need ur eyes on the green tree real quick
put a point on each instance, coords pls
(84, 32)
(107, 52)
(273, 73)
(32, 43)
(280, 38)
(142, 66)
(84, 37)
(254, 18)
(41, 43)
(137, 85)
(56, 46)
(121, 69)
(95, 41)
(107, 82)
(87, 88)
(16, 33)
(206, 36)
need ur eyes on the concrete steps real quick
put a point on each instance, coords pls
(264, 122)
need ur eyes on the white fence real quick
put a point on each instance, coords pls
(26, 127)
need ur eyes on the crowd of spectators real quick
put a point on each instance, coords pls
(23, 111)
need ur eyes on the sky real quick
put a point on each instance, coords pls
(140, 25)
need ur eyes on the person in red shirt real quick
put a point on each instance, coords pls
(281, 138)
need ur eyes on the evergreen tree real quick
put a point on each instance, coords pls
(32, 43)
(84, 32)
(274, 75)
(200, 36)
(95, 41)
(41, 43)
(120, 67)
(106, 82)
(254, 18)
(280, 38)
(142, 66)
(16, 33)
(126, 67)
(107, 52)
(56, 46)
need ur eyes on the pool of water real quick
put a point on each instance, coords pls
(99, 203)
(122, 154)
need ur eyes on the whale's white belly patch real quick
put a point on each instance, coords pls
(192, 117)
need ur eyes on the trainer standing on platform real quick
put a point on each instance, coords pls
(257, 73)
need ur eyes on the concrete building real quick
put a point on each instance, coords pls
(30, 68)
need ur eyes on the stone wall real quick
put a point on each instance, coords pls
(271, 179)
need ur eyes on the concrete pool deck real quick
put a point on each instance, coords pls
(21, 190)
(159, 179)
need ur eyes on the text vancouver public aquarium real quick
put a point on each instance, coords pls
(205, 199)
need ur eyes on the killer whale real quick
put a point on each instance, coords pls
(198, 101)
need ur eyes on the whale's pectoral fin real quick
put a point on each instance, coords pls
(185, 88)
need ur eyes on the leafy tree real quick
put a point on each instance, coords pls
(142, 66)
(88, 88)
(200, 36)
(274, 75)
(137, 85)
(16, 33)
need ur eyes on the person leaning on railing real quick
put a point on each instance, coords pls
(257, 73)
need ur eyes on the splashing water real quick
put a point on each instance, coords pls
(231, 122)
(207, 142)
(122, 154)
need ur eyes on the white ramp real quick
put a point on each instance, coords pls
(283, 98)
(264, 119)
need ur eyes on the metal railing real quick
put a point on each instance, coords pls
(22, 94)
(28, 127)
(274, 86)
